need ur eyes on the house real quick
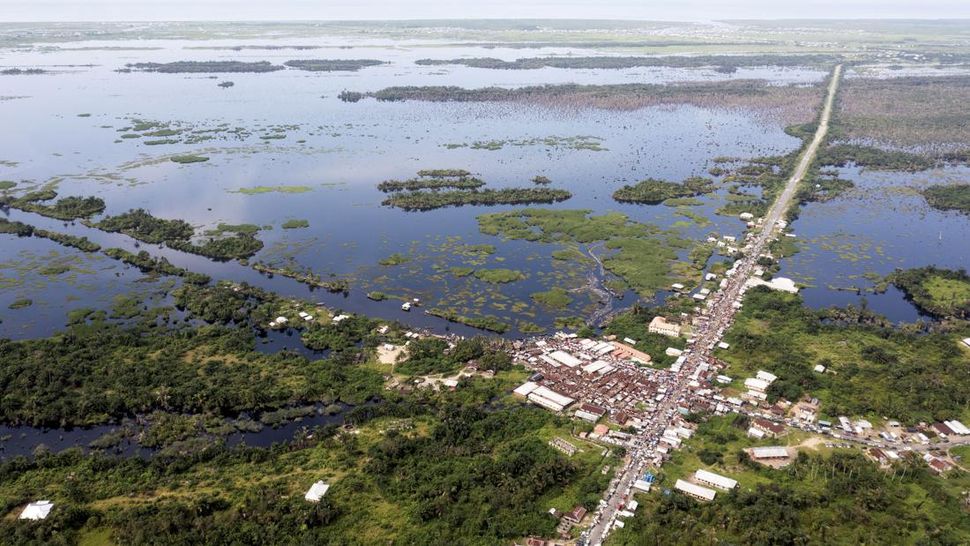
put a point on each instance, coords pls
(755, 384)
(716, 480)
(770, 429)
(659, 325)
(563, 446)
(771, 452)
(37, 510)
(694, 490)
(590, 413)
(575, 515)
(755, 433)
(316, 492)
(878, 455)
(942, 429)
(966, 341)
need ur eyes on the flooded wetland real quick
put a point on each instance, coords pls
(240, 258)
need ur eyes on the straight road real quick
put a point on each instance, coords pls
(715, 319)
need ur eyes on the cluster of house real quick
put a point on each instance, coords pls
(595, 378)
(282, 321)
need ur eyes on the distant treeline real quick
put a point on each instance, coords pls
(627, 90)
(209, 67)
(722, 63)
(428, 200)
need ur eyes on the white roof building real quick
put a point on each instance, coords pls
(565, 359)
(957, 427)
(765, 376)
(694, 490)
(642, 485)
(37, 510)
(773, 452)
(595, 366)
(782, 284)
(966, 341)
(755, 384)
(526, 388)
(717, 480)
(549, 399)
(659, 325)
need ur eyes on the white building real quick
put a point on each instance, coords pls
(694, 490)
(772, 452)
(716, 480)
(755, 384)
(659, 325)
(565, 359)
(549, 399)
(782, 284)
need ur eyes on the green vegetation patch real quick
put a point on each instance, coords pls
(499, 275)
(873, 366)
(951, 197)
(65, 208)
(488, 323)
(554, 298)
(940, 292)
(332, 65)
(258, 190)
(395, 259)
(21, 303)
(296, 224)
(429, 200)
(652, 191)
(638, 253)
(203, 67)
(7, 185)
(185, 159)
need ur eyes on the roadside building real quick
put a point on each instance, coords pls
(696, 491)
(575, 516)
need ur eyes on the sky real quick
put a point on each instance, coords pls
(667, 10)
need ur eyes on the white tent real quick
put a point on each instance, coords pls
(316, 492)
(37, 510)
